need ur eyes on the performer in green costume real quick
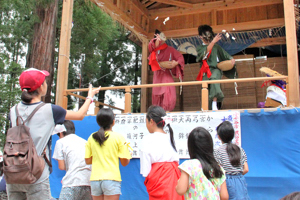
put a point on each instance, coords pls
(209, 55)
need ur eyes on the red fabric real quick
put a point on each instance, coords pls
(152, 58)
(165, 97)
(265, 83)
(204, 69)
(162, 180)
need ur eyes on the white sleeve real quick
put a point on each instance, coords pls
(58, 151)
(145, 162)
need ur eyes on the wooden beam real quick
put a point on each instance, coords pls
(64, 53)
(144, 76)
(149, 3)
(269, 42)
(96, 102)
(244, 26)
(239, 80)
(292, 53)
(137, 4)
(176, 3)
(209, 6)
(120, 16)
(155, 5)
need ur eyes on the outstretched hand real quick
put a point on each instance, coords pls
(92, 91)
(157, 37)
(217, 38)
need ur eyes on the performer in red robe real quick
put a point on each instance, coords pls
(165, 62)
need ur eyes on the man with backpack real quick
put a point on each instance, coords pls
(32, 123)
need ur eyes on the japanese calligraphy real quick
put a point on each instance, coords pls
(133, 128)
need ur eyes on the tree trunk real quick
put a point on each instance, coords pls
(43, 43)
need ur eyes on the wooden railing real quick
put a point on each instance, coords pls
(204, 96)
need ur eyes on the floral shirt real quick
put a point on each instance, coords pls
(199, 186)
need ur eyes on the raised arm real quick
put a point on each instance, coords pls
(79, 115)
(213, 42)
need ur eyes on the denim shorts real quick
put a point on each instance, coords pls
(105, 187)
(237, 187)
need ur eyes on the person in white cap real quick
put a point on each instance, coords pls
(69, 152)
(34, 87)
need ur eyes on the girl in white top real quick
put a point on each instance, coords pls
(159, 158)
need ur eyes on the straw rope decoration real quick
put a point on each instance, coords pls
(269, 71)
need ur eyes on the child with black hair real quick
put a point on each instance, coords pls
(159, 158)
(234, 161)
(69, 152)
(201, 176)
(103, 150)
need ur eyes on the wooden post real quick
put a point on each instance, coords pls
(127, 100)
(97, 108)
(214, 17)
(65, 100)
(224, 16)
(292, 53)
(204, 95)
(287, 92)
(64, 52)
(144, 77)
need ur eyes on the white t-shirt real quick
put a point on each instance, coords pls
(156, 147)
(71, 149)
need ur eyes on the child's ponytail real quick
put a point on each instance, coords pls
(226, 133)
(99, 136)
(156, 113)
(105, 119)
(234, 154)
(28, 96)
(172, 137)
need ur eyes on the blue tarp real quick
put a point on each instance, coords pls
(270, 139)
(235, 42)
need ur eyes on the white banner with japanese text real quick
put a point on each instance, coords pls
(133, 128)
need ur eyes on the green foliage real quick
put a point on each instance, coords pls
(10, 95)
(101, 52)
(16, 27)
